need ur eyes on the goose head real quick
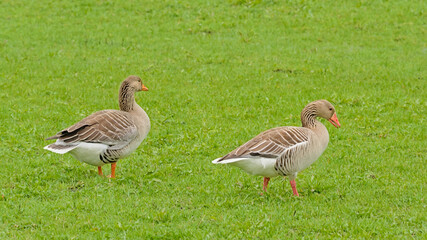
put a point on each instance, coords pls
(325, 110)
(135, 83)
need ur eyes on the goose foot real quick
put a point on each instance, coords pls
(113, 171)
(294, 187)
(264, 186)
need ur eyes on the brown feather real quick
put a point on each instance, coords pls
(271, 143)
(100, 127)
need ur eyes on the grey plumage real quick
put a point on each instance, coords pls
(111, 127)
(285, 151)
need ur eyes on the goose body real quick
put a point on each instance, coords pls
(106, 136)
(285, 151)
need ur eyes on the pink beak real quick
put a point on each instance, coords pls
(334, 121)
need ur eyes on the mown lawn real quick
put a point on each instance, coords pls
(219, 72)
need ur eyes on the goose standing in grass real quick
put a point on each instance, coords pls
(108, 135)
(285, 151)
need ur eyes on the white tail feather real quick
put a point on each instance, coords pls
(253, 165)
(62, 150)
(231, 160)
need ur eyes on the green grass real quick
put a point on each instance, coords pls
(219, 72)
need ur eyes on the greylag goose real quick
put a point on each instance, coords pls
(285, 151)
(108, 135)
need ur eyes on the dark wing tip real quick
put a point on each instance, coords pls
(223, 158)
(52, 137)
(265, 155)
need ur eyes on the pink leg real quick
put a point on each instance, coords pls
(264, 187)
(100, 171)
(113, 171)
(294, 187)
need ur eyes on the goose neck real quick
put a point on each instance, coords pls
(308, 117)
(126, 98)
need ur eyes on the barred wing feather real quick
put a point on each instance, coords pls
(270, 144)
(111, 127)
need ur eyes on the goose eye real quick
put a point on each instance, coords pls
(330, 109)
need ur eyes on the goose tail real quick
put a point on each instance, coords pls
(60, 148)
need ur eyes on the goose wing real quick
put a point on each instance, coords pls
(111, 127)
(270, 144)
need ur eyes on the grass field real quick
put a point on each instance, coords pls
(219, 72)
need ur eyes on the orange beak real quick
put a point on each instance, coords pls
(334, 121)
(144, 88)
